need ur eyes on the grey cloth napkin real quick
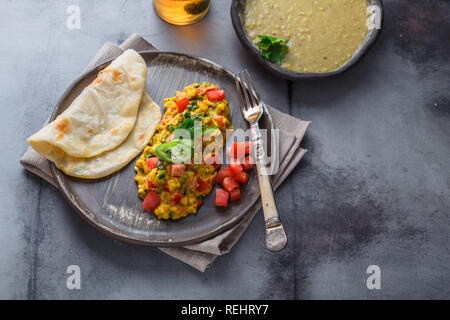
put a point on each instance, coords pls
(201, 255)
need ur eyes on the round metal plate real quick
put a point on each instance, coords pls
(111, 204)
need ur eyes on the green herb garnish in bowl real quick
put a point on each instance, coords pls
(272, 48)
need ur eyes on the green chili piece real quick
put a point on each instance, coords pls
(165, 151)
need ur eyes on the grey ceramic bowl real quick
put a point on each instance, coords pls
(237, 8)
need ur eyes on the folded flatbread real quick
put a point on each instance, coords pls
(148, 117)
(102, 116)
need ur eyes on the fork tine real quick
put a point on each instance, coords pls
(245, 89)
(249, 88)
(239, 91)
(255, 93)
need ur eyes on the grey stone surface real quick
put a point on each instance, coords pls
(374, 188)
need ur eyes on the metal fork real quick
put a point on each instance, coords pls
(252, 109)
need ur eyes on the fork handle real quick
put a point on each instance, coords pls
(271, 217)
(275, 235)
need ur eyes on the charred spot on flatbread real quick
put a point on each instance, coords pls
(117, 76)
(100, 77)
(62, 127)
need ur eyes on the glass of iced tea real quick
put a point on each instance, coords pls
(182, 12)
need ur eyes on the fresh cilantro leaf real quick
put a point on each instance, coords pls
(187, 124)
(272, 48)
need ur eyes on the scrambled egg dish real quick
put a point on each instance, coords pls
(173, 189)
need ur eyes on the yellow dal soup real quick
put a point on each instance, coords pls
(323, 34)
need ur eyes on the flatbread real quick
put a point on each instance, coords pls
(148, 117)
(104, 113)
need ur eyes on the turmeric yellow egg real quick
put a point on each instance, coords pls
(172, 190)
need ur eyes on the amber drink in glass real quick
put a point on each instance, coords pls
(182, 12)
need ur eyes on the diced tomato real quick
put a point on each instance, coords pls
(202, 185)
(221, 198)
(230, 152)
(215, 95)
(177, 169)
(151, 201)
(235, 195)
(199, 203)
(166, 186)
(182, 104)
(248, 163)
(241, 177)
(211, 87)
(150, 185)
(219, 120)
(235, 168)
(223, 173)
(248, 147)
(193, 184)
(177, 197)
(201, 91)
(151, 163)
(229, 184)
(214, 160)
(239, 150)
